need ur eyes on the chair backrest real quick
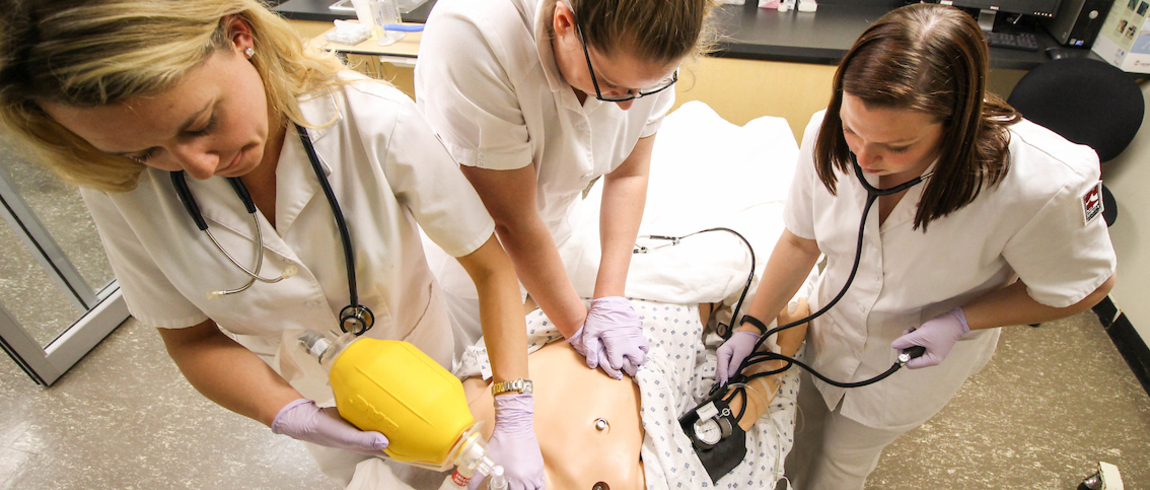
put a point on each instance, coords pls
(1087, 101)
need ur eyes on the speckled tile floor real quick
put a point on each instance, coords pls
(1053, 402)
(124, 418)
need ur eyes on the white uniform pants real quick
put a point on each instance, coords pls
(832, 452)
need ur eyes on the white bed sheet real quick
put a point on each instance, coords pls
(705, 173)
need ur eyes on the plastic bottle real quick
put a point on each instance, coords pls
(363, 13)
(391, 387)
(497, 481)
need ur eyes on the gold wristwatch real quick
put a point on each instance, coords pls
(522, 385)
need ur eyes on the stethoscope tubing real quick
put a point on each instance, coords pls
(180, 184)
(340, 222)
(356, 313)
(674, 240)
(873, 193)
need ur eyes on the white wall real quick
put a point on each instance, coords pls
(1128, 178)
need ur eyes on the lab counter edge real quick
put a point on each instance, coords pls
(751, 33)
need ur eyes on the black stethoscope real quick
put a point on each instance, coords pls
(353, 318)
(872, 195)
(707, 430)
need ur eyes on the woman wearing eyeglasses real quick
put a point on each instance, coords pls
(536, 99)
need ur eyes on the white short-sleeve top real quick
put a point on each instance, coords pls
(388, 171)
(487, 81)
(1032, 226)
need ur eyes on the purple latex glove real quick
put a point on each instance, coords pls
(592, 352)
(612, 321)
(303, 420)
(938, 335)
(732, 353)
(513, 444)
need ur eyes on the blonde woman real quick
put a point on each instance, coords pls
(127, 98)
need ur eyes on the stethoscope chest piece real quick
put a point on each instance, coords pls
(356, 319)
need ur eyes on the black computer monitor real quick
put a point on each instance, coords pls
(989, 8)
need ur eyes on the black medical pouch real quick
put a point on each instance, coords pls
(723, 456)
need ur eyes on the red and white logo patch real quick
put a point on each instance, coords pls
(1092, 203)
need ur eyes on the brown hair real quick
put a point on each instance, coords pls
(89, 53)
(932, 59)
(664, 31)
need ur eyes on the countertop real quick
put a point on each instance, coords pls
(748, 32)
(317, 10)
(824, 36)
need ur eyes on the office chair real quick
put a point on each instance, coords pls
(1086, 101)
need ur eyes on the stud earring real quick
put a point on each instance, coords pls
(249, 52)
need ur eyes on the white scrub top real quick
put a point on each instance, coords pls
(1031, 226)
(388, 172)
(487, 81)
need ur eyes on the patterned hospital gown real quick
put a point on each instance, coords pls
(679, 371)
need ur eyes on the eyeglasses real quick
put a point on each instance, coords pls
(631, 94)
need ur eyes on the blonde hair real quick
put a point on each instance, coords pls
(101, 52)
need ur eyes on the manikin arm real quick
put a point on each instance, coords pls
(762, 390)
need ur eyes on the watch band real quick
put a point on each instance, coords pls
(521, 385)
(755, 322)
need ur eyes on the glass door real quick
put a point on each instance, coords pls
(58, 297)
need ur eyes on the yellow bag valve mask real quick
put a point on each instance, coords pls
(391, 387)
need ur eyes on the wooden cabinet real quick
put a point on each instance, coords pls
(742, 90)
(399, 70)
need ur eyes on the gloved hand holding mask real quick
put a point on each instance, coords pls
(513, 443)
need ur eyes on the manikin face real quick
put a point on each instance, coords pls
(895, 144)
(214, 122)
(617, 74)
